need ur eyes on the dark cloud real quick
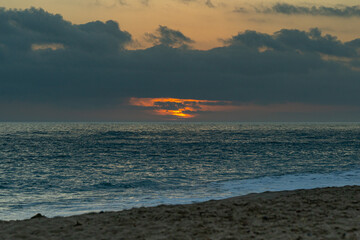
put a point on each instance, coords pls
(240, 10)
(209, 4)
(145, 2)
(21, 29)
(354, 43)
(187, 1)
(112, 3)
(295, 40)
(94, 70)
(122, 2)
(169, 105)
(168, 37)
(290, 9)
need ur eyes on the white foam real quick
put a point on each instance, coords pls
(290, 182)
(221, 190)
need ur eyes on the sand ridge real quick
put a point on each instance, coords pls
(323, 213)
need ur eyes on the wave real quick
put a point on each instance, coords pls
(290, 182)
(136, 185)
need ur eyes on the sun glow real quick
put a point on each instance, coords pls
(180, 108)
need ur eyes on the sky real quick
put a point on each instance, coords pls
(179, 60)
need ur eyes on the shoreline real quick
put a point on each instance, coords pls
(320, 213)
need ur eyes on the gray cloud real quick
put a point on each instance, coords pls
(122, 2)
(145, 2)
(94, 71)
(290, 9)
(169, 105)
(354, 43)
(296, 40)
(168, 37)
(240, 10)
(21, 29)
(209, 4)
(187, 1)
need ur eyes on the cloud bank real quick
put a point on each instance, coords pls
(290, 9)
(21, 29)
(63, 67)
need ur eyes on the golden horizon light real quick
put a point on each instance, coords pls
(177, 107)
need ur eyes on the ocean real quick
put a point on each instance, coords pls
(62, 169)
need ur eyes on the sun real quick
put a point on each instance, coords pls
(177, 107)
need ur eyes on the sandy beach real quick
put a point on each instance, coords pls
(324, 213)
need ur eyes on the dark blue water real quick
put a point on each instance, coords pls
(70, 168)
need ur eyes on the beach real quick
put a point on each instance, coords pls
(321, 213)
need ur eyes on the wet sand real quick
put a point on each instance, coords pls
(324, 213)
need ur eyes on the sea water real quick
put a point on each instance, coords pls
(61, 169)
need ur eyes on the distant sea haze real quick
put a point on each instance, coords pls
(71, 168)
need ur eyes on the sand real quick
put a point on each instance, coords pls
(324, 213)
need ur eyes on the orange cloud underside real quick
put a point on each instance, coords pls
(190, 108)
(181, 108)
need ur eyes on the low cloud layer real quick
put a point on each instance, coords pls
(47, 61)
(290, 9)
